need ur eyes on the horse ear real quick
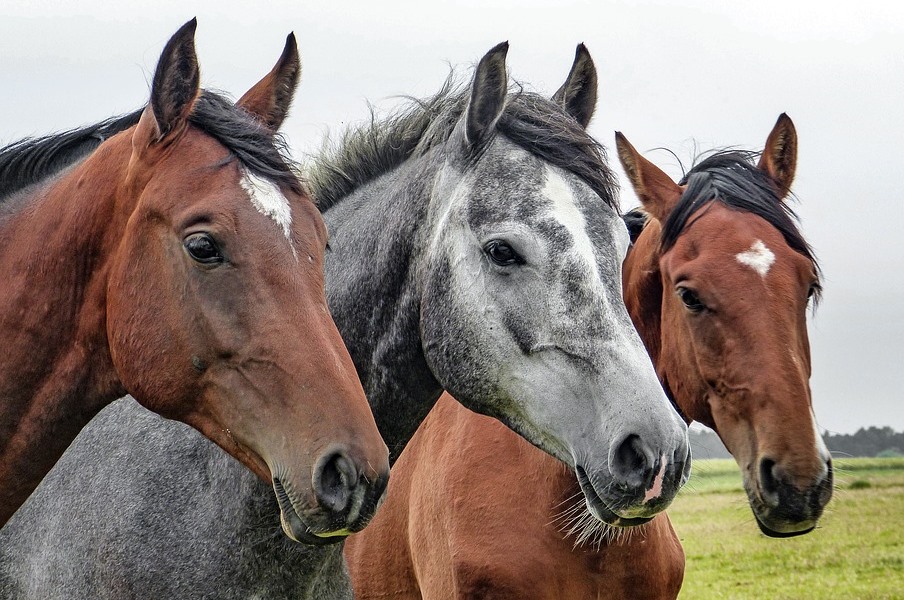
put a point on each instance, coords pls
(656, 190)
(779, 158)
(270, 98)
(174, 89)
(488, 94)
(578, 94)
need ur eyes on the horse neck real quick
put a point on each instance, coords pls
(377, 237)
(56, 365)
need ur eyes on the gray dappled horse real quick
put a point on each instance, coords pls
(475, 247)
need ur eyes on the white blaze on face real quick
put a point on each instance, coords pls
(759, 258)
(269, 201)
(566, 212)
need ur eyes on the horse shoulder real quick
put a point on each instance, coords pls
(647, 564)
(500, 540)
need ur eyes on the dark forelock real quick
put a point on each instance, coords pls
(732, 178)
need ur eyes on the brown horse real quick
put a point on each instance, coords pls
(181, 262)
(730, 344)
(443, 535)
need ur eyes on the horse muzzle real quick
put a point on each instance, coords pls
(783, 509)
(635, 495)
(344, 500)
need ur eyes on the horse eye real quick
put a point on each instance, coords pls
(502, 254)
(203, 249)
(690, 300)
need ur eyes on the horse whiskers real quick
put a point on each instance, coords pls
(579, 523)
(578, 493)
(568, 513)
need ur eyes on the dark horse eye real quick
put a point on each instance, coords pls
(502, 254)
(690, 299)
(203, 249)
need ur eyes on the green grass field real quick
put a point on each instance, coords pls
(856, 552)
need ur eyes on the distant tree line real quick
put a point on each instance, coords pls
(868, 441)
(871, 441)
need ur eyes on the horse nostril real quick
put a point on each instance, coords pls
(633, 461)
(769, 483)
(335, 478)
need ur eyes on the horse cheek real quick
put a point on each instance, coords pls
(143, 329)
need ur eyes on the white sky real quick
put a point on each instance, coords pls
(683, 74)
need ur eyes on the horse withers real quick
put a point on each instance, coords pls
(181, 262)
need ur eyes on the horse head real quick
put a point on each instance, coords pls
(216, 313)
(522, 315)
(719, 281)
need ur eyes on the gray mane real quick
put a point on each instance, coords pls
(531, 121)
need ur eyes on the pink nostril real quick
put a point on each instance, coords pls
(656, 489)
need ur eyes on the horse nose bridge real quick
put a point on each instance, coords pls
(646, 411)
(625, 367)
(786, 433)
(799, 472)
(316, 389)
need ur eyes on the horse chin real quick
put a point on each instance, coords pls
(768, 531)
(600, 510)
(775, 526)
(296, 529)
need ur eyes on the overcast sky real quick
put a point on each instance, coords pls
(684, 74)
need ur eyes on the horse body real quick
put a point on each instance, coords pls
(462, 231)
(455, 524)
(104, 548)
(161, 265)
(440, 534)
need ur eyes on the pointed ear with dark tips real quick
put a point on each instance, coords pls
(656, 190)
(488, 94)
(270, 98)
(578, 94)
(176, 81)
(779, 158)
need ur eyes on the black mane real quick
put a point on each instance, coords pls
(732, 178)
(32, 160)
(531, 121)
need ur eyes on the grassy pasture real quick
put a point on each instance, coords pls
(856, 552)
